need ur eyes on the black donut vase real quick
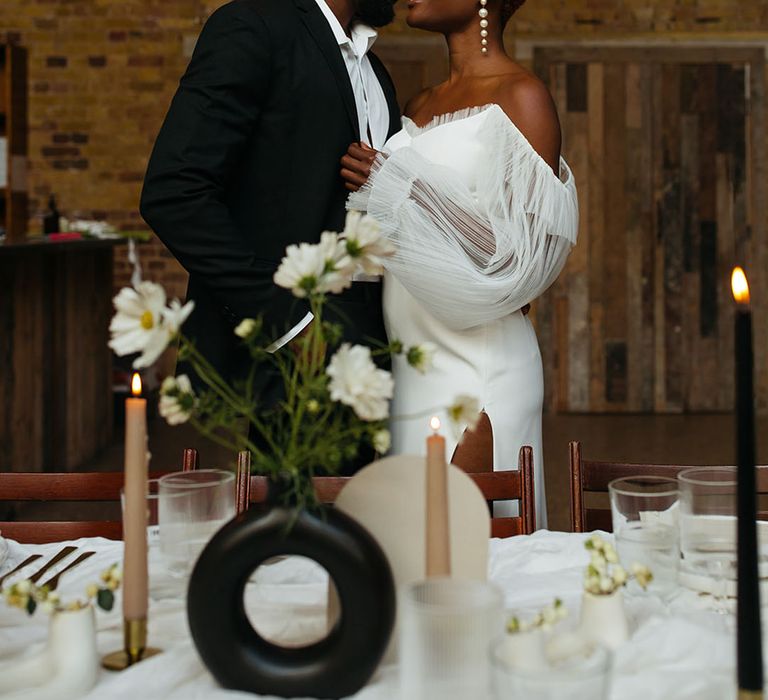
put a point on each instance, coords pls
(238, 657)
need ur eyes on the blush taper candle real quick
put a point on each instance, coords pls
(438, 536)
(135, 575)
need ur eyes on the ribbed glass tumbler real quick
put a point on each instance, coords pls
(447, 628)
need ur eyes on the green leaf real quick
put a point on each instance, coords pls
(105, 599)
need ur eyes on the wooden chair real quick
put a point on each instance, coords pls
(495, 486)
(69, 487)
(590, 477)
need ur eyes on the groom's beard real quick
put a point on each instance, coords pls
(375, 13)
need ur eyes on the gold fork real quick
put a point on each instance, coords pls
(52, 582)
(63, 553)
(26, 562)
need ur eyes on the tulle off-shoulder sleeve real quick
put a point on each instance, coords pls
(472, 256)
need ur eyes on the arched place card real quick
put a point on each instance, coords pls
(388, 498)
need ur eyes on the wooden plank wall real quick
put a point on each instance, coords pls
(667, 147)
(55, 366)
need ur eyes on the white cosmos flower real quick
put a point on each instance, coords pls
(300, 269)
(421, 357)
(357, 382)
(138, 325)
(177, 399)
(464, 413)
(322, 267)
(338, 268)
(382, 441)
(175, 315)
(365, 243)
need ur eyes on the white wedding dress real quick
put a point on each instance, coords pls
(482, 226)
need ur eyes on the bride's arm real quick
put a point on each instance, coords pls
(474, 255)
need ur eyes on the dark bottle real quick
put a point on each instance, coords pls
(51, 223)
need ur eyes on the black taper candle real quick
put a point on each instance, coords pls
(749, 647)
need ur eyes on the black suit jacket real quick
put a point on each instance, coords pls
(247, 163)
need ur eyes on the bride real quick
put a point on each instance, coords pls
(483, 212)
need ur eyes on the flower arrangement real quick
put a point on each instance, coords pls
(328, 411)
(604, 575)
(28, 596)
(544, 620)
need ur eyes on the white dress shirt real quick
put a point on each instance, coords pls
(372, 107)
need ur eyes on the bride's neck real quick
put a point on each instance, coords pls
(466, 57)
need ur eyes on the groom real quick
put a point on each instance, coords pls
(247, 161)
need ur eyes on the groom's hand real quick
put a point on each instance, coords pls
(356, 165)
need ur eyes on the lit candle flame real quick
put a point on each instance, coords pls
(136, 384)
(740, 286)
(434, 423)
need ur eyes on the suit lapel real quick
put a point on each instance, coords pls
(317, 25)
(389, 92)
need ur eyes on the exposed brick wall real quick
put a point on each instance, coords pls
(633, 16)
(103, 71)
(101, 75)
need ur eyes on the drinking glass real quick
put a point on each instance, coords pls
(192, 507)
(708, 528)
(153, 497)
(644, 511)
(446, 630)
(583, 675)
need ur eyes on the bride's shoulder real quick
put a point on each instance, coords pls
(528, 103)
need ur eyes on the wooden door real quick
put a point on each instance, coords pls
(667, 147)
(414, 62)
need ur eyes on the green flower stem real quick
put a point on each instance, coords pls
(387, 350)
(318, 423)
(208, 373)
(212, 435)
(213, 379)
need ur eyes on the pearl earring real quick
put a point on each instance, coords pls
(483, 27)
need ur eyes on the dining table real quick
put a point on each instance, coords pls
(681, 646)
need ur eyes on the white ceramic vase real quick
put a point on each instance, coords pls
(66, 668)
(523, 650)
(604, 619)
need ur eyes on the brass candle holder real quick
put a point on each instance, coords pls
(135, 647)
(750, 694)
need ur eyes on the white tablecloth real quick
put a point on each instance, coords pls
(677, 651)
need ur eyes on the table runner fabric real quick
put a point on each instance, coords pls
(677, 651)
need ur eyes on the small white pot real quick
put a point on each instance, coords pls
(523, 650)
(66, 668)
(604, 620)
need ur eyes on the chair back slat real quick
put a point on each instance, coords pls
(507, 527)
(598, 519)
(243, 481)
(63, 486)
(74, 487)
(591, 476)
(495, 486)
(499, 486)
(190, 460)
(42, 533)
